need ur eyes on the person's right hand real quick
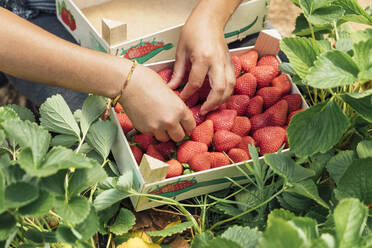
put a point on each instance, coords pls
(154, 108)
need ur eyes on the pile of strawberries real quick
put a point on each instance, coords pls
(257, 113)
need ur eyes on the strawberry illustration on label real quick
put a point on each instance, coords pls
(66, 16)
(178, 186)
(144, 51)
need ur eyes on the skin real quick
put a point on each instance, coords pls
(30, 53)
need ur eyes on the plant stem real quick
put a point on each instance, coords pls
(95, 186)
(66, 186)
(311, 30)
(309, 93)
(336, 31)
(46, 224)
(109, 241)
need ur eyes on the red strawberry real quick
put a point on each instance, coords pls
(246, 141)
(118, 108)
(241, 126)
(294, 102)
(222, 119)
(143, 140)
(293, 113)
(255, 106)
(222, 106)
(282, 81)
(246, 85)
(151, 151)
(269, 139)
(137, 153)
(249, 60)
(278, 113)
(270, 95)
(175, 168)
(166, 149)
(225, 140)
(205, 89)
(189, 149)
(197, 116)
(218, 159)
(203, 133)
(125, 122)
(239, 103)
(264, 75)
(269, 60)
(200, 162)
(166, 74)
(238, 155)
(237, 65)
(192, 100)
(259, 121)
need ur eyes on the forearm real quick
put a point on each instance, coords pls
(30, 53)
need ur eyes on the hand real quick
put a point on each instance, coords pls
(202, 44)
(154, 108)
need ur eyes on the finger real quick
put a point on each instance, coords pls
(197, 75)
(230, 82)
(218, 87)
(178, 71)
(161, 135)
(188, 122)
(176, 133)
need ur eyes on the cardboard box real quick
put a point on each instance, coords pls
(152, 180)
(145, 30)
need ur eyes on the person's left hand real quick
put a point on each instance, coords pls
(202, 44)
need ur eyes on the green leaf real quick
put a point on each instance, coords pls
(2, 192)
(361, 103)
(108, 198)
(54, 184)
(302, 53)
(171, 230)
(20, 194)
(364, 149)
(7, 225)
(280, 213)
(101, 136)
(309, 6)
(65, 234)
(40, 206)
(363, 58)
(350, 217)
(325, 44)
(34, 235)
(302, 27)
(74, 211)
(356, 182)
(325, 15)
(344, 44)
(361, 35)
(89, 226)
(308, 189)
(81, 179)
(286, 167)
(64, 140)
(340, 163)
(332, 69)
(325, 241)
(354, 12)
(317, 129)
(125, 181)
(22, 112)
(106, 215)
(244, 236)
(56, 116)
(93, 107)
(221, 243)
(287, 68)
(7, 113)
(307, 225)
(124, 222)
(29, 135)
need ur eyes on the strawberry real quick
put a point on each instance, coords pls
(269, 139)
(282, 81)
(151, 151)
(192, 100)
(246, 85)
(225, 140)
(218, 159)
(222, 106)
(293, 113)
(166, 74)
(278, 113)
(189, 149)
(203, 133)
(237, 65)
(143, 140)
(255, 106)
(246, 141)
(222, 119)
(137, 153)
(205, 89)
(175, 168)
(294, 102)
(270, 95)
(264, 75)
(241, 126)
(166, 149)
(125, 122)
(200, 162)
(238, 103)
(269, 60)
(259, 121)
(118, 108)
(249, 60)
(197, 116)
(238, 155)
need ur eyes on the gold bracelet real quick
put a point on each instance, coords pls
(116, 99)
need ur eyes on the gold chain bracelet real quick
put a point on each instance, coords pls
(116, 99)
